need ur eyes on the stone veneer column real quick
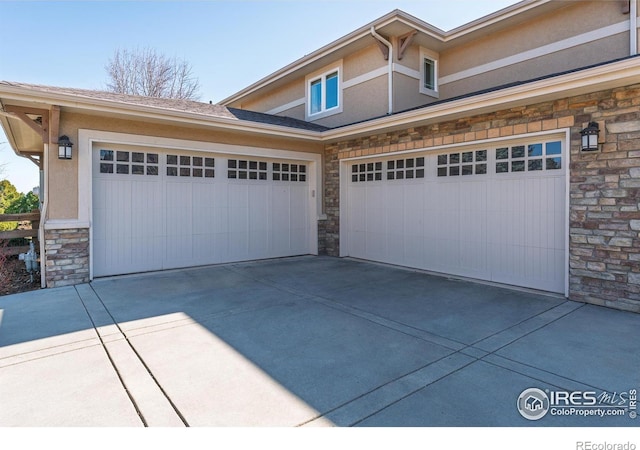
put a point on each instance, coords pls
(605, 202)
(67, 256)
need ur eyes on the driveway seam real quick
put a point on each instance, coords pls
(144, 364)
(524, 321)
(112, 362)
(29, 355)
(482, 359)
(535, 377)
(386, 322)
(178, 323)
(356, 312)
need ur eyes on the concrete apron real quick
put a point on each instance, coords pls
(308, 341)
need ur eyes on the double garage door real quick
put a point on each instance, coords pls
(495, 213)
(162, 209)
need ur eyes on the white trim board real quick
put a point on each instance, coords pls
(65, 224)
(287, 106)
(407, 71)
(379, 72)
(564, 44)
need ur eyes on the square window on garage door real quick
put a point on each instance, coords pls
(190, 166)
(288, 172)
(128, 163)
(371, 171)
(241, 169)
(462, 163)
(529, 158)
(405, 169)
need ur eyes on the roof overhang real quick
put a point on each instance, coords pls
(606, 76)
(24, 140)
(397, 23)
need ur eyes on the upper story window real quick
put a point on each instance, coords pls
(324, 93)
(429, 72)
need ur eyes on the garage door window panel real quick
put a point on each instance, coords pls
(246, 170)
(122, 162)
(462, 163)
(190, 166)
(529, 158)
(405, 169)
(288, 172)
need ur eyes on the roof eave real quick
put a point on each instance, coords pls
(490, 19)
(396, 15)
(607, 76)
(93, 105)
(334, 46)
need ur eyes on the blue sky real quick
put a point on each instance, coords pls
(229, 44)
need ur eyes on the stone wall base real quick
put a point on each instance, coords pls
(67, 257)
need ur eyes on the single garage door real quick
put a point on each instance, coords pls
(494, 213)
(155, 209)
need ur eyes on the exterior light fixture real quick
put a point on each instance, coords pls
(64, 147)
(590, 137)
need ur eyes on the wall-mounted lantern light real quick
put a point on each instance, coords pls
(590, 137)
(64, 147)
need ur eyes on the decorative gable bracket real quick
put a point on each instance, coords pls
(405, 41)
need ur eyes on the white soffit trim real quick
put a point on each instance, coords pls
(564, 44)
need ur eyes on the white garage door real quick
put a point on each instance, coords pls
(495, 213)
(155, 210)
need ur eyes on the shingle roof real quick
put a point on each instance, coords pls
(213, 111)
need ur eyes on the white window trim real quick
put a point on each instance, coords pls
(433, 56)
(321, 74)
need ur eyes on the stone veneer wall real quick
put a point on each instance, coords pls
(604, 242)
(67, 256)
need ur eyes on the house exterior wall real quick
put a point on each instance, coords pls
(575, 19)
(577, 35)
(604, 231)
(66, 237)
(361, 100)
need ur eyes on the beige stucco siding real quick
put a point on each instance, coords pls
(576, 19)
(296, 112)
(63, 174)
(62, 186)
(407, 93)
(580, 56)
(362, 62)
(277, 98)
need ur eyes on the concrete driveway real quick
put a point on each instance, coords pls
(308, 341)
